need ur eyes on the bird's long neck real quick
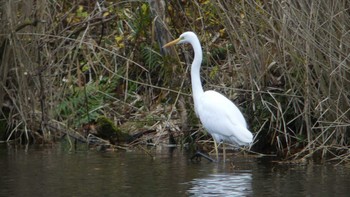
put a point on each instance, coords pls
(197, 89)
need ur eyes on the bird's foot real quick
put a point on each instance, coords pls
(198, 155)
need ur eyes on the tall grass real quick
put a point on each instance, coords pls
(285, 63)
(65, 63)
(296, 57)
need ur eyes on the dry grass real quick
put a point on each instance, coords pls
(296, 54)
(62, 65)
(286, 63)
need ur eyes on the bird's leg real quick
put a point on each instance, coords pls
(216, 150)
(224, 151)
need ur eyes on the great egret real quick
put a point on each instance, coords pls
(219, 116)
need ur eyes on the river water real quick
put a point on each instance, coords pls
(55, 171)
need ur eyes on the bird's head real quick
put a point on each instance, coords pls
(186, 37)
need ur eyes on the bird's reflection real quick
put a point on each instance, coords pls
(236, 184)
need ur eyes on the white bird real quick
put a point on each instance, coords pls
(219, 116)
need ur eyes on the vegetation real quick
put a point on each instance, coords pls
(64, 64)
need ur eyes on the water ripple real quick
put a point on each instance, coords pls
(237, 184)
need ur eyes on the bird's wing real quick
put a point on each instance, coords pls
(222, 119)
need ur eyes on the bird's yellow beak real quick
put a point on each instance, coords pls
(172, 42)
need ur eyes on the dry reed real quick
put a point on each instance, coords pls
(286, 63)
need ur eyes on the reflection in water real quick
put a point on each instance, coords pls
(38, 171)
(237, 184)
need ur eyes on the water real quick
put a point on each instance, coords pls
(57, 172)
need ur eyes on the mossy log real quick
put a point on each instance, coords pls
(106, 129)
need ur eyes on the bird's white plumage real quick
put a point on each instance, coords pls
(222, 119)
(219, 116)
